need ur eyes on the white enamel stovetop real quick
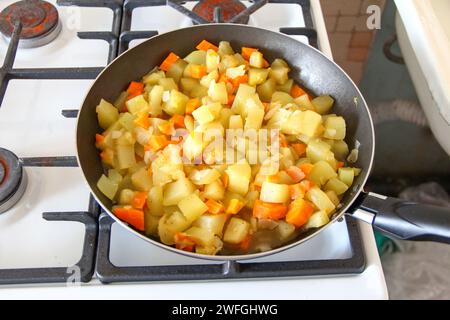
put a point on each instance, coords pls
(31, 125)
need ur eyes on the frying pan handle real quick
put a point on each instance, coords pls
(403, 219)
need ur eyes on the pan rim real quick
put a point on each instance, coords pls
(242, 257)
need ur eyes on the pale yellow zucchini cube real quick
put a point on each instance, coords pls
(205, 176)
(213, 223)
(125, 156)
(266, 90)
(337, 186)
(257, 76)
(176, 70)
(176, 104)
(233, 73)
(225, 48)
(321, 173)
(317, 220)
(192, 207)
(218, 92)
(126, 196)
(203, 115)
(236, 122)
(285, 230)
(214, 190)
(274, 193)
(310, 123)
(107, 114)
(176, 191)
(196, 57)
(347, 175)
(138, 105)
(323, 104)
(155, 101)
(304, 102)
(200, 236)
(335, 128)
(193, 145)
(239, 177)
(340, 149)
(206, 80)
(243, 93)
(281, 97)
(155, 200)
(107, 187)
(256, 59)
(151, 223)
(320, 200)
(236, 231)
(141, 180)
(279, 74)
(255, 117)
(170, 224)
(212, 60)
(333, 197)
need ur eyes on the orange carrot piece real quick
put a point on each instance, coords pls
(167, 128)
(225, 179)
(99, 138)
(297, 91)
(142, 121)
(245, 244)
(238, 80)
(299, 212)
(299, 148)
(306, 185)
(139, 200)
(283, 141)
(223, 78)
(198, 71)
(247, 52)
(135, 88)
(214, 206)
(184, 242)
(177, 120)
(340, 164)
(265, 63)
(231, 99)
(157, 142)
(306, 167)
(205, 45)
(296, 191)
(131, 216)
(295, 173)
(266, 210)
(192, 104)
(167, 63)
(234, 206)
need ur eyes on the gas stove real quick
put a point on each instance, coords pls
(53, 232)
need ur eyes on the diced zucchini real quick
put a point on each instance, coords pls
(321, 173)
(323, 104)
(176, 70)
(206, 80)
(225, 48)
(243, 93)
(155, 99)
(170, 224)
(176, 191)
(218, 92)
(141, 180)
(274, 193)
(168, 84)
(224, 116)
(120, 101)
(126, 119)
(196, 57)
(151, 223)
(214, 190)
(213, 223)
(176, 104)
(125, 156)
(107, 114)
(320, 200)
(192, 207)
(236, 231)
(138, 105)
(126, 196)
(256, 59)
(266, 90)
(193, 145)
(278, 63)
(318, 150)
(337, 186)
(333, 197)
(255, 117)
(257, 76)
(281, 97)
(107, 187)
(200, 236)
(335, 128)
(205, 176)
(153, 77)
(236, 122)
(310, 123)
(212, 60)
(239, 177)
(188, 84)
(304, 103)
(115, 176)
(340, 149)
(233, 73)
(279, 74)
(317, 220)
(286, 87)
(203, 115)
(155, 201)
(285, 230)
(346, 175)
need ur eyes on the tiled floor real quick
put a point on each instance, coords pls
(350, 38)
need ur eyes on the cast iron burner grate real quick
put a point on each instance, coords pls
(97, 240)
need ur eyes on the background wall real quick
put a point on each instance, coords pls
(350, 38)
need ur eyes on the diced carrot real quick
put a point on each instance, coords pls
(340, 164)
(167, 128)
(297, 91)
(265, 63)
(283, 142)
(238, 80)
(299, 212)
(167, 63)
(247, 52)
(245, 244)
(157, 142)
(299, 148)
(131, 96)
(214, 206)
(224, 179)
(223, 78)
(99, 138)
(306, 167)
(135, 88)
(184, 242)
(177, 120)
(198, 71)
(295, 173)
(139, 200)
(150, 171)
(234, 206)
(296, 191)
(131, 216)
(192, 104)
(142, 120)
(273, 178)
(205, 45)
(266, 210)
(266, 106)
(306, 185)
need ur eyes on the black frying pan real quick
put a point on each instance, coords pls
(313, 70)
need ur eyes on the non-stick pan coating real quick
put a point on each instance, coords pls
(309, 67)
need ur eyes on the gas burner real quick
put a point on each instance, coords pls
(13, 180)
(228, 9)
(39, 19)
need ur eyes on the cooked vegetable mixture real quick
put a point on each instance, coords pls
(173, 180)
